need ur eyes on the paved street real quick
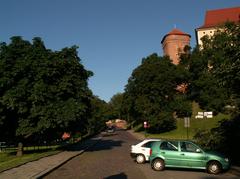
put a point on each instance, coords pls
(110, 159)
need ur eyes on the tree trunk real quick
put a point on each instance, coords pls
(20, 149)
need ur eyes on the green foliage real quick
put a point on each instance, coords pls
(150, 93)
(99, 115)
(196, 125)
(223, 138)
(9, 161)
(162, 122)
(218, 87)
(115, 105)
(214, 69)
(41, 91)
(182, 106)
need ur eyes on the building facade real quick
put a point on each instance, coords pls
(214, 19)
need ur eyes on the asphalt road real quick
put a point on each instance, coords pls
(110, 159)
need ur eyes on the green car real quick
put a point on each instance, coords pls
(185, 154)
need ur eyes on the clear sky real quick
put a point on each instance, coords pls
(113, 35)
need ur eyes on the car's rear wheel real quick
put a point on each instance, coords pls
(158, 165)
(214, 167)
(140, 159)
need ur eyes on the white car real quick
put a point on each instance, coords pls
(142, 151)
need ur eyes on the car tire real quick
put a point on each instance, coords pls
(140, 159)
(158, 165)
(214, 167)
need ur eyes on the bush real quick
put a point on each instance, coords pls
(223, 138)
(163, 122)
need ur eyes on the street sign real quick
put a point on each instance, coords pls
(207, 114)
(145, 124)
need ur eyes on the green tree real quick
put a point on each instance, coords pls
(99, 115)
(214, 69)
(42, 92)
(203, 87)
(115, 105)
(223, 50)
(220, 56)
(151, 91)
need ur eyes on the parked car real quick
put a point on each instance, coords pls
(186, 154)
(141, 151)
(111, 129)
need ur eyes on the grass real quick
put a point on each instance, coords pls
(9, 160)
(195, 125)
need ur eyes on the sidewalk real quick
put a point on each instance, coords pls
(235, 170)
(39, 168)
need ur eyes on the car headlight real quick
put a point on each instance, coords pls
(226, 159)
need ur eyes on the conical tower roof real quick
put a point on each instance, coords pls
(175, 31)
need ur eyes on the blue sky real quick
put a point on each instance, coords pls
(113, 35)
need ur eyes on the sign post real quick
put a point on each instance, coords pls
(187, 124)
(145, 125)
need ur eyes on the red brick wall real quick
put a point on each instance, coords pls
(173, 45)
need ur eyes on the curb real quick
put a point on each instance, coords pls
(49, 170)
(46, 172)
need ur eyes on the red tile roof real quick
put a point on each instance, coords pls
(218, 17)
(175, 32)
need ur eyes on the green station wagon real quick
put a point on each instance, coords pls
(185, 154)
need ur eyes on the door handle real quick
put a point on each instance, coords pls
(163, 152)
(182, 154)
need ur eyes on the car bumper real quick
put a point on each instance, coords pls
(225, 166)
(133, 155)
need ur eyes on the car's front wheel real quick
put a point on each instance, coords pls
(214, 167)
(140, 159)
(158, 165)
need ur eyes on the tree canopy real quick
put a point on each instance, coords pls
(151, 91)
(41, 91)
(215, 85)
(214, 69)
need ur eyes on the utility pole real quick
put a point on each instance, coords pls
(187, 124)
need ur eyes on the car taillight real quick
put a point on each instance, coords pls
(150, 152)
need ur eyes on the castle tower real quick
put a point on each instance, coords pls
(173, 44)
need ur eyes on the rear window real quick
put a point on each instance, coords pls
(148, 144)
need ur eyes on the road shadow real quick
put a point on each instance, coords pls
(210, 176)
(117, 176)
(106, 144)
(81, 145)
(186, 169)
(108, 134)
(219, 176)
(94, 144)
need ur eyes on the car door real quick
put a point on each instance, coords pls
(169, 150)
(191, 155)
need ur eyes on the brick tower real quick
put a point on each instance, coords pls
(173, 44)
